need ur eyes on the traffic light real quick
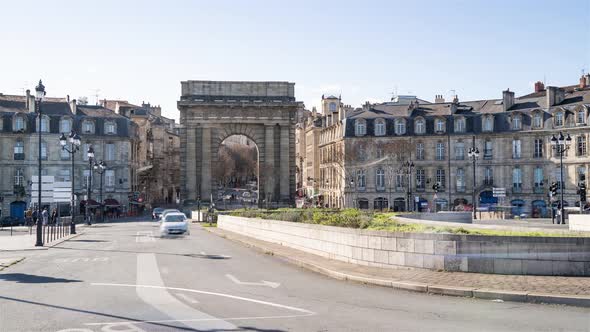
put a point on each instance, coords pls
(553, 189)
(436, 187)
(582, 192)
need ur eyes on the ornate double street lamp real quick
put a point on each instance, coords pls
(100, 167)
(406, 169)
(473, 154)
(352, 191)
(90, 154)
(561, 144)
(75, 142)
(39, 94)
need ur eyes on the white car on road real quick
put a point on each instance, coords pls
(174, 223)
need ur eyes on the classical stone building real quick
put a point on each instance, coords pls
(362, 153)
(265, 112)
(156, 171)
(110, 134)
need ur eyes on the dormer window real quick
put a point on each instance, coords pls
(332, 107)
(110, 128)
(88, 127)
(559, 119)
(19, 123)
(400, 126)
(419, 126)
(537, 120)
(439, 125)
(65, 126)
(44, 124)
(516, 122)
(360, 127)
(488, 123)
(460, 125)
(581, 117)
(379, 127)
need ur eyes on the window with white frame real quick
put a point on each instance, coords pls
(559, 119)
(538, 120)
(379, 127)
(44, 124)
(439, 125)
(360, 128)
(460, 125)
(440, 151)
(110, 128)
(332, 107)
(63, 175)
(44, 150)
(19, 177)
(88, 127)
(516, 122)
(516, 179)
(557, 177)
(19, 123)
(380, 179)
(488, 176)
(581, 117)
(65, 125)
(109, 153)
(460, 180)
(488, 149)
(460, 151)
(420, 151)
(420, 126)
(440, 177)
(581, 145)
(420, 179)
(488, 123)
(109, 178)
(400, 126)
(538, 148)
(516, 149)
(399, 181)
(19, 150)
(538, 177)
(361, 179)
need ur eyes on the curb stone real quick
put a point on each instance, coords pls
(482, 293)
(11, 263)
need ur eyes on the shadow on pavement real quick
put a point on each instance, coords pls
(23, 278)
(207, 256)
(88, 240)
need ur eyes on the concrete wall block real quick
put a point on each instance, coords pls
(536, 267)
(456, 264)
(397, 258)
(382, 256)
(434, 262)
(445, 248)
(357, 253)
(368, 254)
(424, 246)
(414, 260)
(405, 245)
(494, 249)
(469, 248)
(480, 264)
(362, 241)
(375, 242)
(507, 266)
(552, 251)
(389, 243)
(567, 268)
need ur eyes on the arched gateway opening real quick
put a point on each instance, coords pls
(211, 112)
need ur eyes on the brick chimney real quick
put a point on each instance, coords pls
(539, 86)
(584, 81)
(555, 96)
(73, 106)
(507, 99)
(439, 99)
(28, 98)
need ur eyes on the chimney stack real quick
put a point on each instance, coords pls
(73, 106)
(455, 99)
(555, 96)
(539, 86)
(439, 99)
(507, 99)
(28, 100)
(587, 79)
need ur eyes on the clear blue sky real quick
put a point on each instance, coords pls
(141, 50)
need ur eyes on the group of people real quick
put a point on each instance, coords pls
(47, 218)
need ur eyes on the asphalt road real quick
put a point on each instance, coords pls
(118, 277)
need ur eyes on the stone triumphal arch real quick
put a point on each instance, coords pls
(265, 112)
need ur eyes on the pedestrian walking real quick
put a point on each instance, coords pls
(29, 217)
(35, 216)
(53, 216)
(45, 216)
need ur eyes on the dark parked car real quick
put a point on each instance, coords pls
(156, 213)
(10, 221)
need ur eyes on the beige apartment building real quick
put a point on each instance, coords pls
(364, 154)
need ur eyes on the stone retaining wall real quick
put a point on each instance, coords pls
(566, 256)
(462, 217)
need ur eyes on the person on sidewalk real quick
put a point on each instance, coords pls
(45, 216)
(35, 216)
(54, 216)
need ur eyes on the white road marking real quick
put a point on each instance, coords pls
(81, 259)
(271, 304)
(144, 236)
(202, 320)
(187, 298)
(159, 297)
(247, 283)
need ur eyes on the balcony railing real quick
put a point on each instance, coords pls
(488, 154)
(19, 156)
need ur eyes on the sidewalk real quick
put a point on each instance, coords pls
(26, 241)
(535, 289)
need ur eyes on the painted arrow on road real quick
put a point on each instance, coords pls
(262, 283)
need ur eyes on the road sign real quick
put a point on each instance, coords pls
(51, 191)
(499, 192)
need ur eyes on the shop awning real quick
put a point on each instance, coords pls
(91, 203)
(111, 202)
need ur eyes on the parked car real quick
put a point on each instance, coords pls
(156, 213)
(10, 221)
(174, 223)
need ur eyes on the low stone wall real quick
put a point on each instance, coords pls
(579, 222)
(462, 217)
(567, 256)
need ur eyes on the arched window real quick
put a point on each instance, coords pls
(400, 126)
(88, 127)
(379, 127)
(537, 120)
(110, 128)
(516, 122)
(19, 123)
(360, 128)
(439, 125)
(65, 125)
(419, 126)
(460, 125)
(488, 123)
(361, 179)
(380, 179)
(332, 107)
(44, 124)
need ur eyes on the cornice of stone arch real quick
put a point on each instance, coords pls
(249, 130)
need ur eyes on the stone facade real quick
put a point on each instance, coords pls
(369, 145)
(110, 134)
(265, 112)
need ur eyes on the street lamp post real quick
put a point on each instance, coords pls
(74, 147)
(561, 144)
(90, 154)
(406, 169)
(473, 154)
(352, 192)
(100, 168)
(40, 93)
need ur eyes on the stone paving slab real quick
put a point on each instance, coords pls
(562, 290)
(6, 262)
